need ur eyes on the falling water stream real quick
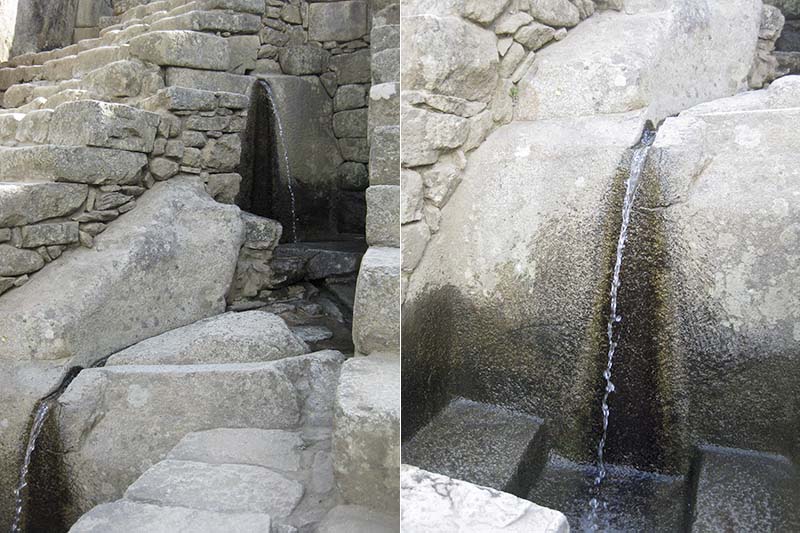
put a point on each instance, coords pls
(614, 318)
(289, 178)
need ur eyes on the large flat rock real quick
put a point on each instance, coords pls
(247, 337)
(226, 488)
(651, 55)
(132, 517)
(366, 439)
(182, 49)
(93, 302)
(433, 503)
(116, 422)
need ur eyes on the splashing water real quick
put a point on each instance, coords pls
(285, 151)
(637, 165)
(19, 493)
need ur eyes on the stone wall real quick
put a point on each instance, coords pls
(449, 108)
(166, 94)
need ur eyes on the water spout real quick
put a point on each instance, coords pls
(285, 151)
(614, 318)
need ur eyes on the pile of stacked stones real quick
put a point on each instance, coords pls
(449, 111)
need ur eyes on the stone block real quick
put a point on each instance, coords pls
(378, 295)
(209, 80)
(337, 21)
(366, 438)
(355, 149)
(349, 97)
(35, 127)
(179, 48)
(384, 156)
(244, 53)
(211, 21)
(224, 187)
(27, 203)
(248, 337)
(16, 261)
(301, 60)
(269, 448)
(351, 123)
(225, 488)
(71, 163)
(125, 516)
(386, 66)
(352, 68)
(349, 518)
(385, 37)
(104, 125)
(49, 234)
(94, 58)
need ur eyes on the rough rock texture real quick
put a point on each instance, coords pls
(182, 49)
(366, 439)
(495, 274)
(94, 302)
(376, 327)
(28, 203)
(131, 517)
(433, 503)
(105, 125)
(717, 214)
(649, 56)
(116, 422)
(246, 337)
(430, 62)
(225, 488)
(71, 163)
(269, 448)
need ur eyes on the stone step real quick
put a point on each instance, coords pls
(125, 516)
(275, 449)
(739, 491)
(248, 337)
(28, 203)
(376, 310)
(366, 438)
(482, 444)
(225, 488)
(352, 518)
(116, 421)
(77, 164)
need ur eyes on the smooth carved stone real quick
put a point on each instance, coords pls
(103, 124)
(49, 234)
(209, 80)
(16, 261)
(378, 295)
(182, 49)
(352, 68)
(28, 203)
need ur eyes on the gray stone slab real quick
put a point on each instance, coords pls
(28, 203)
(76, 164)
(269, 448)
(247, 337)
(132, 517)
(223, 488)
